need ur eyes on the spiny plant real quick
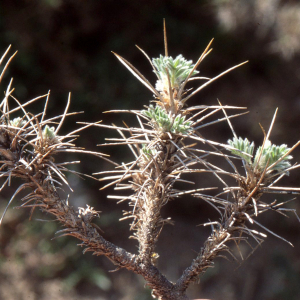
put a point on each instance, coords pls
(167, 144)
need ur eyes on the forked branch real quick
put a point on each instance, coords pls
(166, 144)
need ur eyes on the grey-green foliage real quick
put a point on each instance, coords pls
(147, 151)
(17, 122)
(264, 157)
(49, 132)
(270, 154)
(243, 145)
(166, 123)
(178, 69)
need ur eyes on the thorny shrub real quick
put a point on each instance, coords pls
(166, 145)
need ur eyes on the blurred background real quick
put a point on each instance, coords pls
(65, 46)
